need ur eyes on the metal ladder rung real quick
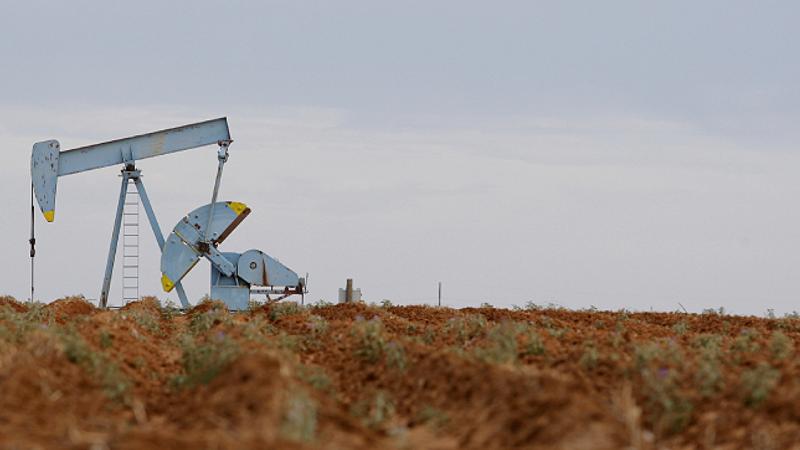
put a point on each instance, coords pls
(130, 241)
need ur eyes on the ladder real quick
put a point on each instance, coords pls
(130, 245)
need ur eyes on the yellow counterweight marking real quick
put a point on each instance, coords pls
(237, 207)
(166, 283)
(49, 215)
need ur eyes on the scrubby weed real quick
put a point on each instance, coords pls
(203, 361)
(669, 409)
(758, 383)
(532, 344)
(145, 318)
(321, 303)
(254, 305)
(395, 355)
(370, 340)
(590, 356)
(282, 309)
(680, 328)
(106, 339)
(531, 306)
(16, 325)
(38, 313)
(299, 422)
(386, 303)
(745, 343)
(432, 417)
(98, 365)
(643, 354)
(256, 328)
(502, 344)
(467, 327)
(780, 346)
(317, 326)
(376, 411)
(315, 377)
(708, 376)
(552, 329)
(371, 344)
(202, 322)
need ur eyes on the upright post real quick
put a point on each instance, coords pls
(151, 216)
(440, 293)
(112, 249)
(222, 157)
(348, 292)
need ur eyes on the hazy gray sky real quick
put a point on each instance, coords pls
(616, 154)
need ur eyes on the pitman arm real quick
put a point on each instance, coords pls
(48, 162)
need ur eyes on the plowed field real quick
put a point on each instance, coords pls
(359, 376)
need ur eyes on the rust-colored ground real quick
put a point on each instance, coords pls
(357, 376)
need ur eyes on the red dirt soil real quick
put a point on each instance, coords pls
(357, 376)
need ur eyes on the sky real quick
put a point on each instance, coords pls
(619, 154)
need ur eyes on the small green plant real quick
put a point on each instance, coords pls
(667, 406)
(321, 303)
(317, 326)
(256, 328)
(98, 365)
(680, 328)
(282, 309)
(202, 322)
(203, 361)
(146, 319)
(395, 355)
(370, 340)
(487, 305)
(780, 346)
(315, 376)
(106, 339)
(386, 303)
(645, 353)
(758, 383)
(376, 411)
(531, 306)
(429, 336)
(590, 357)
(467, 327)
(300, 417)
(502, 345)
(745, 343)
(533, 344)
(432, 417)
(714, 312)
(552, 329)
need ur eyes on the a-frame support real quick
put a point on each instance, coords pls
(131, 173)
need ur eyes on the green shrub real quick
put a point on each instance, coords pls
(780, 346)
(369, 339)
(203, 361)
(300, 417)
(467, 327)
(758, 383)
(283, 309)
(98, 365)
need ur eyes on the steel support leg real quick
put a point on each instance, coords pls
(112, 249)
(151, 216)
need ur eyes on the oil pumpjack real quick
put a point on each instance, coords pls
(234, 276)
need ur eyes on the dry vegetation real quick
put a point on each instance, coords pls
(357, 376)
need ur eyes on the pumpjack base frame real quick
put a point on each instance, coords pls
(131, 173)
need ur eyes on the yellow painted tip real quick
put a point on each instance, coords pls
(166, 283)
(237, 207)
(49, 215)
